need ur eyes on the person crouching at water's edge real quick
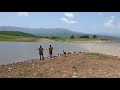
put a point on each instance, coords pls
(41, 52)
(50, 51)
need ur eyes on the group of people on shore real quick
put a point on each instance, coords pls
(40, 49)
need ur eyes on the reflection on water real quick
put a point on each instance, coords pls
(19, 51)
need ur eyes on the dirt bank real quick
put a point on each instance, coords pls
(78, 65)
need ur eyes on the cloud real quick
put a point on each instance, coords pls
(69, 18)
(69, 15)
(112, 23)
(100, 13)
(23, 13)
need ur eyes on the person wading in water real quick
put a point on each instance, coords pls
(40, 49)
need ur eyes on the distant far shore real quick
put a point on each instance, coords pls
(95, 41)
(17, 36)
(49, 40)
(31, 39)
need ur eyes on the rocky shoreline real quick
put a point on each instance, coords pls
(76, 65)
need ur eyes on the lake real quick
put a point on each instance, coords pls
(20, 51)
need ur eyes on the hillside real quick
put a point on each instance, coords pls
(17, 33)
(17, 36)
(60, 32)
(48, 32)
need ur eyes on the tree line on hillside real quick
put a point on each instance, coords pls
(18, 33)
(83, 36)
(72, 36)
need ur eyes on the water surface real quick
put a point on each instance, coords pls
(20, 51)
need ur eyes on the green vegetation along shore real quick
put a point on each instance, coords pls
(16, 36)
(76, 65)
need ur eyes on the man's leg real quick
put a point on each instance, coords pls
(40, 57)
(51, 55)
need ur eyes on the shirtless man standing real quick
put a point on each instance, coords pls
(41, 52)
(50, 51)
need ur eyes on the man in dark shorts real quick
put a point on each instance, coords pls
(41, 52)
(50, 51)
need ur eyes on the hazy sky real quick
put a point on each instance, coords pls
(87, 22)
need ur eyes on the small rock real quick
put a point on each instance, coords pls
(64, 74)
(74, 76)
(75, 73)
(52, 69)
(34, 74)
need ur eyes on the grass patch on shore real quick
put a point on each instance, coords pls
(44, 74)
(97, 56)
(24, 73)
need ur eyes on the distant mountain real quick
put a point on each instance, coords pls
(14, 28)
(48, 32)
(60, 32)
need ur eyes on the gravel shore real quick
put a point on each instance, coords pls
(76, 65)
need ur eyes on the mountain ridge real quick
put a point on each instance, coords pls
(48, 32)
(42, 31)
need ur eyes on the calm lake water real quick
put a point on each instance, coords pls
(20, 51)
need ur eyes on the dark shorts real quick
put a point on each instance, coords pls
(50, 52)
(40, 53)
